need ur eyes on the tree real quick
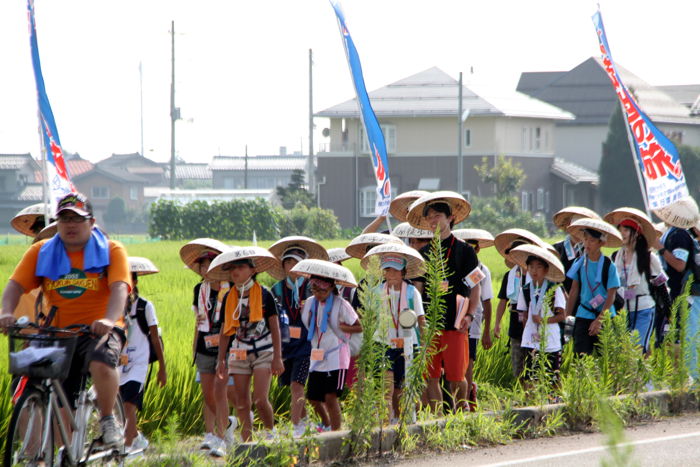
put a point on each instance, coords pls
(115, 217)
(508, 176)
(619, 185)
(295, 193)
(690, 160)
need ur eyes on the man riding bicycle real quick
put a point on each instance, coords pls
(85, 278)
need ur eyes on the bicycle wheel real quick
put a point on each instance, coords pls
(93, 430)
(23, 445)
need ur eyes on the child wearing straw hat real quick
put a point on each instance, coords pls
(595, 282)
(290, 293)
(638, 268)
(250, 342)
(142, 335)
(546, 271)
(208, 295)
(398, 264)
(328, 318)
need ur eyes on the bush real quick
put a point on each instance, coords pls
(498, 214)
(317, 223)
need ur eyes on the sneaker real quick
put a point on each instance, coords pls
(206, 444)
(230, 435)
(139, 444)
(112, 433)
(217, 447)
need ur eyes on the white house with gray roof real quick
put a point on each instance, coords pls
(419, 119)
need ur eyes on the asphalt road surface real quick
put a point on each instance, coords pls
(671, 441)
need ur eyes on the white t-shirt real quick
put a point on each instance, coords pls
(486, 294)
(394, 329)
(636, 282)
(531, 332)
(136, 347)
(336, 353)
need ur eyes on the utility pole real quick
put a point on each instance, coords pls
(174, 112)
(460, 159)
(310, 163)
(245, 169)
(141, 102)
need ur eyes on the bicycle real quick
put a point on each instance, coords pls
(37, 417)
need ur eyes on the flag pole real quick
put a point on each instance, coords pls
(633, 149)
(44, 173)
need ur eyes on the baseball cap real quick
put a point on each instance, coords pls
(394, 262)
(76, 202)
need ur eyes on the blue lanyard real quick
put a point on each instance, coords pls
(324, 319)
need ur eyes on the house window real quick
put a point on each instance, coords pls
(525, 139)
(389, 132)
(368, 197)
(547, 201)
(540, 199)
(100, 192)
(467, 138)
(537, 139)
(525, 201)
(133, 192)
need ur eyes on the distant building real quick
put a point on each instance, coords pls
(418, 116)
(103, 183)
(18, 186)
(254, 172)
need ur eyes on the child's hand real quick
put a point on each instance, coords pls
(537, 319)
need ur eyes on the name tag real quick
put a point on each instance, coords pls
(123, 359)
(295, 332)
(317, 355)
(629, 294)
(397, 343)
(474, 277)
(444, 286)
(596, 301)
(237, 355)
(211, 341)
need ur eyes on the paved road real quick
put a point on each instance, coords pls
(670, 442)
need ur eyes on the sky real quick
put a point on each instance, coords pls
(242, 66)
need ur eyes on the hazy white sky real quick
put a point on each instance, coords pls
(242, 66)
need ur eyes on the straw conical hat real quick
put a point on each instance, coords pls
(142, 266)
(405, 230)
(262, 259)
(484, 237)
(317, 267)
(506, 238)
(619, 214)
(520, 253)
(414, 260)
(460, 208)
(313, 249)
(563, 218)
(336, 255)
(24, 219)
(358, 245)
(400, 204)
(47, 232)
(194, 249)
(682, 214)
(614, 239)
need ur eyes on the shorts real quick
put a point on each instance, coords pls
(397, 365)
(517, 358)
(86, 351)
(583, 343)
(473, 344)
(531, 364)
(324, 382)
(453, 357)
(206, 364)
(263, 360)
(296, 370)
(132, 392)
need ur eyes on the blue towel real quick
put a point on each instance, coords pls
(53, 261)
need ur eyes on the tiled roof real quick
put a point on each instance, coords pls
(114, 173)
(573, 173)
(258, 163)
(14, 161)
(433, 93)
(586, 92)
(192, 172)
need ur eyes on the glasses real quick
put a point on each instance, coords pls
(72, 219)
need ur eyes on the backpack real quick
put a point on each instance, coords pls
(143, 325)
(282, 312)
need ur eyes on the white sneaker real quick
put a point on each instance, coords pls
(230, 435)
(112, 433)
(139, 444)
(218, 447)
(206, 444)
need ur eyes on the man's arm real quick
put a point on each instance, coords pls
(118, 291)
(10, 299)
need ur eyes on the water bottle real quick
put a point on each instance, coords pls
(284, 326)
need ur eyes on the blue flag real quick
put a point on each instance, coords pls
(656, 155)
(375, 138)
(56, 173)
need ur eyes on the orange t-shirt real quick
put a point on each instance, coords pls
(80, 297)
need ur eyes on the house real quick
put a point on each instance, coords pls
(18, 186)
(189, 175)
(102, 184)
(136, 164)
(254, 172)
(419, 119)
(586, 92)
